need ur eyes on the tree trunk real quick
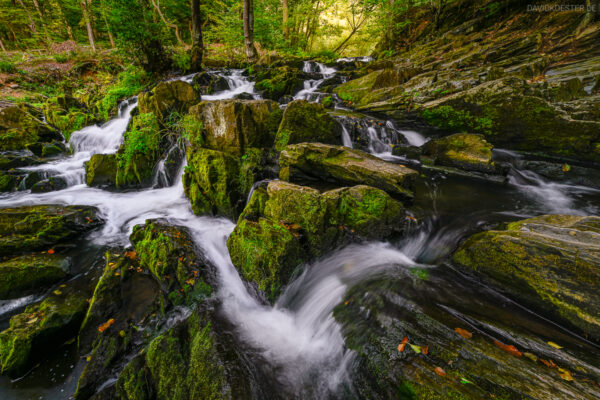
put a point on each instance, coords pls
(286, 17)
(354, 30)
(32, 26)
(169, 24)
(110, 36)
(248, 17)
(197, 44)
(2, 46)
(88, 22)
(39, 11)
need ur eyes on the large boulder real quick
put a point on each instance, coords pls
(101, 170)
(307, 122)
(137, 291)
(39, 328)
(343, 165)
(274, 83)
(167, 97)
(285, 224)
(234, 125)
(21, 125)
(550, 262)
(20, 275)
(464, 151)
(31, 228)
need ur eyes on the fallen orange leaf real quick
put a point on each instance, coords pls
(51, 251)
(440, 371)
(509, 348)
(425, 349)
(401, 347)
(131, 255)
(106, 325)
(464, 333)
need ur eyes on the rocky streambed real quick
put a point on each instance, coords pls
(248, 234)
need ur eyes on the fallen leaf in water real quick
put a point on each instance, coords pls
(57, 292)
(106, 325)
(51, 251)
(564, 374)
(509, 348)
(132, 255)
(464, 333)
(532, 357)
(548, 363)
(440, 371)
(556, 346)
(416, 349)
(425, 349)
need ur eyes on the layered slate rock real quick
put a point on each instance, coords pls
(229, 148)
(21, 275)
(343, 165)
(307, 122)
(167, 97)
(463, 151)
(551, 262)
(30, 228)
(285, 224)
(38, 328)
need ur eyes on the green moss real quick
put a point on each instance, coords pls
(7, 182)
(306, 122)
(20, 275)
(133, 382)
(67, 114)
(267, 253)
(51, 322)
(129, 83)
(275, 83)
(449, 118)
(101, 170)
(140, 151)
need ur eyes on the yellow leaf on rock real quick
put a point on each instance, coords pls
(564, 374)
(556, 346)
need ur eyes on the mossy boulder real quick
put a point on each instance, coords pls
(67, 114)
(343, 165)
(464, 151)
(133, 297)
(549, 262)
(218, 183)
(8, 182)
(21, 125)
(30, 228)
(101, 170)
(167, 97)
(274, 83)
(22, 275)
(234, 125)
(307, 122)
(208, 83)
(285, 224)
(40, 327)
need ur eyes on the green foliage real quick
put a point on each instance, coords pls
(447, 117)
(144, 138)
(129, 83)
(182, 60)
(7, 66)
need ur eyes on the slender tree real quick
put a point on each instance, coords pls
(85, 8)
(32, 26)
(286, 17)
(248, 17)
(197, 43)
(2, 46)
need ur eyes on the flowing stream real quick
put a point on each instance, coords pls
(298, 336)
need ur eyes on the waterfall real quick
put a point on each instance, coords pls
(311, 85)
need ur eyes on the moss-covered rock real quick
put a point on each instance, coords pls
(286, 224)
(344, 165)
(464, 151)
(20, 275)
(135, 292)
(67, 114)
(167, 97)
(218, 183)
(39, 327)
(234, 125)
(550, 262)
(208, 83)
(274, 83)
(29, 228)
(8, 182)
(20, 125)
(307, 122)
(101, 170)
(143, 145)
